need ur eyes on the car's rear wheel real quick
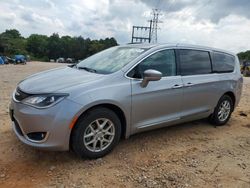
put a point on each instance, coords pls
(96, 133)
(222, 111)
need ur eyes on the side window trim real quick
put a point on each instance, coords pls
(211, 62)
(178, 63)
(137, 63)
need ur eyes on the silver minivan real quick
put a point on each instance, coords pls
(124, 90)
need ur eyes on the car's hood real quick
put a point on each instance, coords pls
(56, 79)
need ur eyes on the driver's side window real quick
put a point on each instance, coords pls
(163, 61)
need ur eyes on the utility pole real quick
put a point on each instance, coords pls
(139, 34)
(156, 13)
(148, 34)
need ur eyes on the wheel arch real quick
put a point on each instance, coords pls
(116, 109)
(232, 96)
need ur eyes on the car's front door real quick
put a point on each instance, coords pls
(160, 101)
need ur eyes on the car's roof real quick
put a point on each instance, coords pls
(148, 46)
(140, 45)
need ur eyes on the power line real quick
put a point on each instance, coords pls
(156, 13)
(149, 33)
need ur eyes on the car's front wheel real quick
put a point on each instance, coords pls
(222, 111)
(96, 133)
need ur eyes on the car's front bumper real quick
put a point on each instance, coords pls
(53, 122)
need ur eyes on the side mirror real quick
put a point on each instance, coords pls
(150, 75)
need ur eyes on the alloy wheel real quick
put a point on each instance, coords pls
(224, 110)
(99, 134)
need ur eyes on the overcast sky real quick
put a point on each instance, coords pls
(218, 23)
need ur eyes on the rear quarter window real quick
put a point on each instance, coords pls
(223, 62)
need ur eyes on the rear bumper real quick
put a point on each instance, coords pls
(53, 122)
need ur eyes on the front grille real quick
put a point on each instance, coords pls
(20, 95)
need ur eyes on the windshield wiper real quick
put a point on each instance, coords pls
(88, 69)
(72, 65)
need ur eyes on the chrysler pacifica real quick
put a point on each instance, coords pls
(89, 106)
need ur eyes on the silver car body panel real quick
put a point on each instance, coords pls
(168, 101)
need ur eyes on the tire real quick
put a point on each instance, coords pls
(216, 118)
(87, 125)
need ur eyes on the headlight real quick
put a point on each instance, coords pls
(44, 101)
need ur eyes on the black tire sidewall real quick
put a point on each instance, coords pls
(77, 143)
(215, 119)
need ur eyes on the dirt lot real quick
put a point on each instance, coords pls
(189, 155)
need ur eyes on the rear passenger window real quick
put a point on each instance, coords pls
(223, 62)
(194, 62)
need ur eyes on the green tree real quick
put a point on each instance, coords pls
(44, 48)
(11, 42)
(244, 55)
(96, 46)
(54, 46)
(37, 45)
(66, 43)
(11, 33)
(109, 42)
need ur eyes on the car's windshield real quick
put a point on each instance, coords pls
(110, 60)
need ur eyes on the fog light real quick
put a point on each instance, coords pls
(37, 136)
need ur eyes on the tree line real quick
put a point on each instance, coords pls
(244, 56)
(42, 47)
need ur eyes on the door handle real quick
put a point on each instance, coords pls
(189, 84)
(177, 86)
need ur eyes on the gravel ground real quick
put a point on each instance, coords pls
(193, 154)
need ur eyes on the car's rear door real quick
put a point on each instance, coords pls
(160, 101)
(199, 91)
